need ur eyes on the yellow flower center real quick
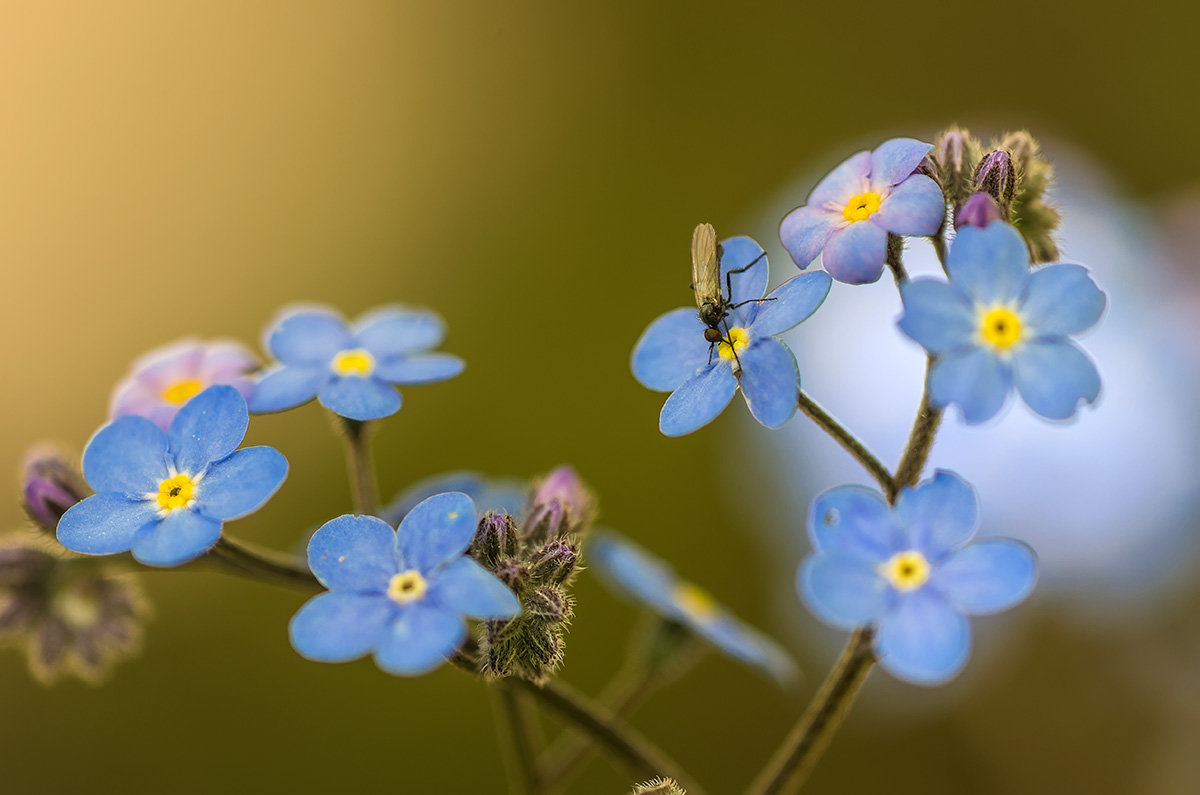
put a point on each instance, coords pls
(694, 601)
(1000, 327)
(176, 492)
(861, 207)
(356, 362)
(407, 586)
(182, 390)
(740, 339)
(906, 570)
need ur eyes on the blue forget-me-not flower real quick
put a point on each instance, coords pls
(850, 213)
(997, 324)
(912, 571)
(403, 594)
(673, 355)
(164, 496)
(351, 369)
(634, 572)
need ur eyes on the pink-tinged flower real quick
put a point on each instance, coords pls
(162, 380)
(850, 213)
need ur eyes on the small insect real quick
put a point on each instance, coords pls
(713, 305)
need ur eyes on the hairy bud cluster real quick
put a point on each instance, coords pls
(658, 786)
(955, 156)
(537, 559)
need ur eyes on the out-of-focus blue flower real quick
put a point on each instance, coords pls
(630, 570)
(502, 495)
(162, 380)
(911, 571)
(402, 594)
(164, 496)
(673, 355)
(997, 324)
(351, 369)
(850, 213)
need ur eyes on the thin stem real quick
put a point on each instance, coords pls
(638, 756)
(847, 440)
(519, 733)
(808, 739)
(895, 249)
(358, 461)
(920, 442)
(272, 567)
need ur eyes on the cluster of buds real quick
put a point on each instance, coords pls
(658, 786)
(1005, 181)
(537, 559)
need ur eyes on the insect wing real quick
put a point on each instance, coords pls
(706, 266)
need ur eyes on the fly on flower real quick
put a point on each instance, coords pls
(706, 284)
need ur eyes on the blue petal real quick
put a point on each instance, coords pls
(805, 230)
(843, 591)
(502, 495)
(129, 455)
(355, 553)
(987, 576)
(104, 524)
(469, 589)
(1054, 377)
(923, 640)
(750, 284)
(855, 255)
(339, 626)
(937, 315)
(698, 400)
(747, 644)
(436, 531)
(915, 207)
(791, 303)
(182, 535)
(770, 381)
(991, 264)
(241, 483)
(358, 398)
(1060, 299)
(938, 515)
(309, 336)
(853, 521)
(977, 380)
(850, 178)
(209, 427)
(393, 330)
(894, 160)
(419, 639)
(426, 369)
(631, 570)
(670, 350)
(283, 387)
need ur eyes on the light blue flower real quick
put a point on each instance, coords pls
(632, 571)
(351, 369)
(164, 496)
(502, 495)
(673, 355)
(850, 213)
(403, 594)
(997, 324)
(912, 572)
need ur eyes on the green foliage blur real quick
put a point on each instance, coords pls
(533, 172)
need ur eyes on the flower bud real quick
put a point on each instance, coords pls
(495, 539)
(21, 566)
(658, 786)
(560, 504)
(549, 602)
(50, 486)
(955, 155)
(996, 176)
(979, 211)
(554, 562)
(512, 573)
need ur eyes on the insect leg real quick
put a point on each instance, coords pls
(728, 274)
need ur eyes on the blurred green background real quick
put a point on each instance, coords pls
(533, 172)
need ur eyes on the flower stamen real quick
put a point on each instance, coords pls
(176, 492)
(357, 362)
(862, 206)
(906, 571)
(407, 586)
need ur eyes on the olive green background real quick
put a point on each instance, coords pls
(532, 171)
